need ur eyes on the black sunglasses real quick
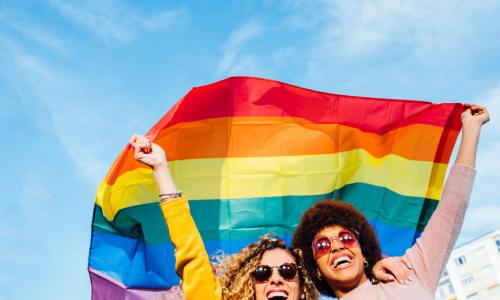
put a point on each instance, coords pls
(287, 271)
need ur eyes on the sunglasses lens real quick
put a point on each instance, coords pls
(347, 238)
(322, 245)
(262, 273)
(287, 271)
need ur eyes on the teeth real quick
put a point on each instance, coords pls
(341, 259)
(277, 294)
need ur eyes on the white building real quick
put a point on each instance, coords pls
(473, 270)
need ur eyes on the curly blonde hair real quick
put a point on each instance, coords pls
(234, 271)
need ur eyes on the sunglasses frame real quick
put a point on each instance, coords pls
(352, 231)
(279, 268)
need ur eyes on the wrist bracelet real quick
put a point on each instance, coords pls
(168, 196)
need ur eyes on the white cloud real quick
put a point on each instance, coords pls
(241, 55)
(489, 147)
(234, 60)
(479, 220)
(491, 99)
(114, 20)
(354, 28)
(360, 27)
(395, 40)
(79, 120)
(488, 152)
(34, 32)
(160, 20)
(73, 120)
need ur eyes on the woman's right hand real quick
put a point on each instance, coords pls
(473, 117)
(147, 152)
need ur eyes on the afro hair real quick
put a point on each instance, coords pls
(326, 213)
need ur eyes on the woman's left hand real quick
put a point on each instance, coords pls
(474, 115)
(393, 268)
(147, 152)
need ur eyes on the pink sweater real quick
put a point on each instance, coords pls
(431, 251)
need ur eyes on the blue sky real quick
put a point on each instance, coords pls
(77, 78)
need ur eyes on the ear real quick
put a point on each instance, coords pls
(318, 274)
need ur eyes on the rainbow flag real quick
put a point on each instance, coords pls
(252, 155)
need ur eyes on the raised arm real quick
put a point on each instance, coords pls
(192, 262)
(431, 251)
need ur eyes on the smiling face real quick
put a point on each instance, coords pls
(276, 287)
(343, 267)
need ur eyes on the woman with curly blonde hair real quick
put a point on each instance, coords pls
(266, 269)
(250, 274)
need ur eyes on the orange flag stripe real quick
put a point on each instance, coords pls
(287, 136)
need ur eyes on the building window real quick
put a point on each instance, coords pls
(498, 245)
(486, 272)
(467, 279)
(460, 260)
(450, 288)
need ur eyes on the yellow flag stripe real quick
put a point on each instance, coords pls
(233, 178)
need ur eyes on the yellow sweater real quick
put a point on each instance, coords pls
(191, 258)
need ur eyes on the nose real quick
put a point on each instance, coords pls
(336, 245)
(275, 277)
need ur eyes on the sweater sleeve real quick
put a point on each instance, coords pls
(430, 253)
(192, 262)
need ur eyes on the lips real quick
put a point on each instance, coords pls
(341, 260)
(280, 294)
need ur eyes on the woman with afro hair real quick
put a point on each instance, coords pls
(340, 246)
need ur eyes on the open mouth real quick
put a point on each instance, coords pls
(277, 295)
(342, 262)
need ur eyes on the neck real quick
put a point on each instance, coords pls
(341, 289)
